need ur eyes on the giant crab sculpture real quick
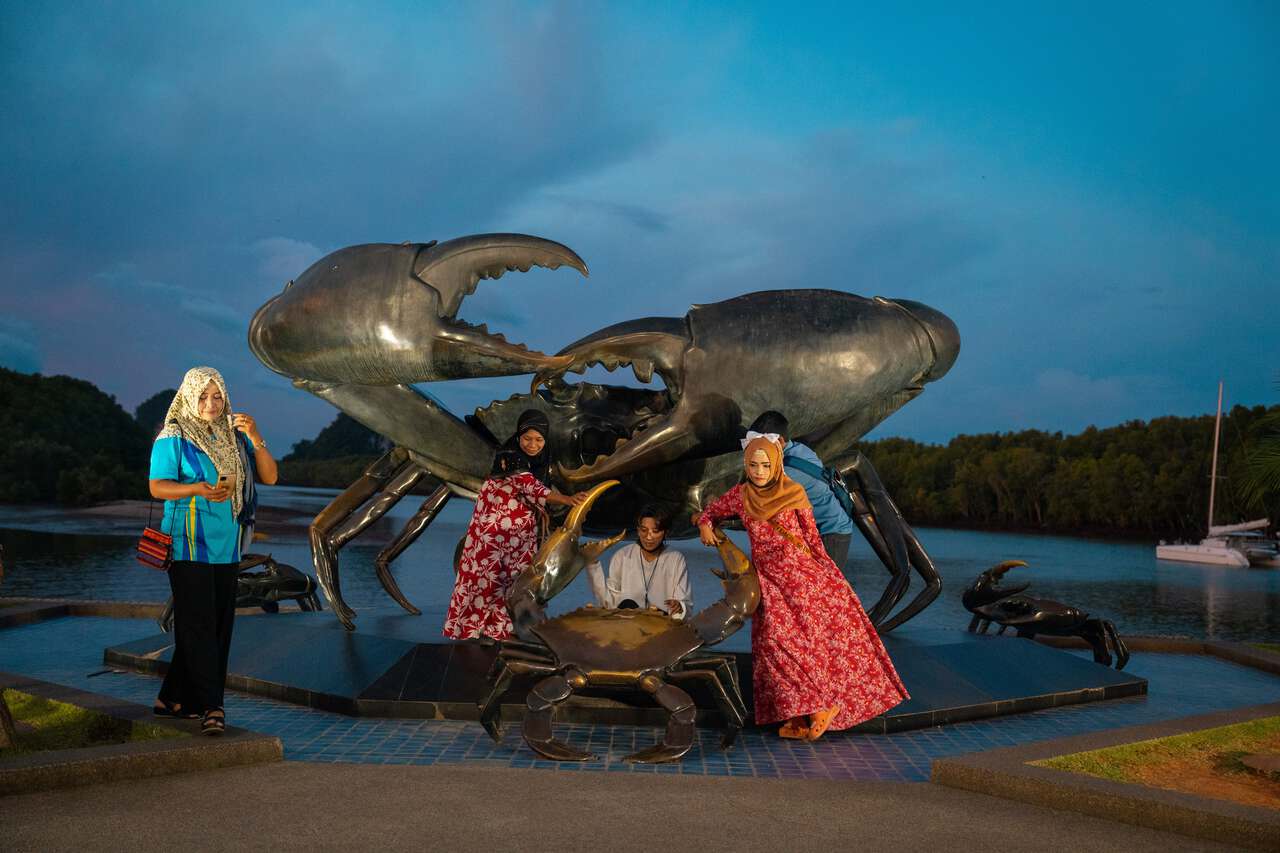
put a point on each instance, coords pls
(594, 647)
(990, 601)
(362, 325)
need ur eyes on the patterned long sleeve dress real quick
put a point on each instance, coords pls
(812, 644)
(500, 543)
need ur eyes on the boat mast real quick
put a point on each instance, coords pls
(1213, 476)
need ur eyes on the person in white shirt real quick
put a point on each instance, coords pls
(646, 573)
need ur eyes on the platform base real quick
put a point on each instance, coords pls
(400, 666)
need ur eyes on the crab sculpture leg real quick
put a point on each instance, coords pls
(1101, 634)
(678, 738)
(362, 503)
(729, 702)
(893, 541)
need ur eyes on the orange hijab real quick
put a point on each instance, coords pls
(781, 493)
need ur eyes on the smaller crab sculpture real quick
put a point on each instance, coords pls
(617, 649)
(989, 601)
(266, 589)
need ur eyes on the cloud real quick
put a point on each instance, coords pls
(173, 304)
(18, 348)
(283, 258)
(215, 314)
(1089, 394)
(632, 215)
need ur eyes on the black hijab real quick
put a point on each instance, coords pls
(540, 465)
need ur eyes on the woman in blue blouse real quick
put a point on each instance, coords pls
(203, 465)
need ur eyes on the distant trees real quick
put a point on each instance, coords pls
(61, 439)
(1262, 471)
(345, 436)
(335, 457)
(150, 413)
(1138, 478)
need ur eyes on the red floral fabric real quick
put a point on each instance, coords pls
(501, 541)
(812, 645)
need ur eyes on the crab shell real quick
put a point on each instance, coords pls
(617, 647)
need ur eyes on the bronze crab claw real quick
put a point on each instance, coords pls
(612, 649)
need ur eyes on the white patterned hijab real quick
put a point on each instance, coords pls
(216, 439)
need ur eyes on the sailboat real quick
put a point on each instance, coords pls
(1242, 545)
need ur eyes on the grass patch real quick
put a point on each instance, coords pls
(57, 725)
(1221, 748)
(1270, 647)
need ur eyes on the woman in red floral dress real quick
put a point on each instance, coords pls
(502, 536)
(817, 660)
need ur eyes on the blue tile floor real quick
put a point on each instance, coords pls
(69, 650)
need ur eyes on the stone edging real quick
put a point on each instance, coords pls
(1241, 653)
(1007, 773)
(66, 768)
(24, 611)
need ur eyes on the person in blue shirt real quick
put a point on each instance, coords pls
(203, 466)
(834, 524)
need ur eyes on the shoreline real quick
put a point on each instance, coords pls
(289, 521)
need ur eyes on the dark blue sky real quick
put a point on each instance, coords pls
(1090, 191)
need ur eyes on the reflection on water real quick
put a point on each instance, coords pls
(1122, 582)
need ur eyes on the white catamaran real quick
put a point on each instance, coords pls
(1242, 545)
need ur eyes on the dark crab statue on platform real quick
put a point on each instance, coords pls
(623, 649)
(361, 326)
(989, 602)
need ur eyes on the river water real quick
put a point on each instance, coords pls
(53, 553)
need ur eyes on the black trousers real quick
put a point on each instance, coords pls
(204, 610)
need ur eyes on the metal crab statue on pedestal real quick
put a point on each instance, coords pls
(276, 582)
(989, 602)
(617, 649)
(361, 326)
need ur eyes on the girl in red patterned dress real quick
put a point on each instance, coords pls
(817, 662)
(502, 536)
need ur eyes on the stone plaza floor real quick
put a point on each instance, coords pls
(69, 651)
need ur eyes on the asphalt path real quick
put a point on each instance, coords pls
(353, 807)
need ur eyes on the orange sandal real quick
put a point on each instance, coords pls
(820, 722)
(793, 728)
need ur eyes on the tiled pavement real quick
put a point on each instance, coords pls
(69, 651)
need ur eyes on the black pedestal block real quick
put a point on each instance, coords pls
(399, 666)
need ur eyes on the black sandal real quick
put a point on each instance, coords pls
(214, 725)
(171, 709)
